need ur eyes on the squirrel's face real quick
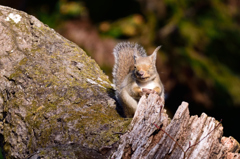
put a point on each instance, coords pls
(144, 68)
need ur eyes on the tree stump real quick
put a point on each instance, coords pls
(152, 135)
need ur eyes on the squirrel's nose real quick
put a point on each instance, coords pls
(140, 73)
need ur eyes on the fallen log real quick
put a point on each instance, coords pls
(153, 135)
(55, 101)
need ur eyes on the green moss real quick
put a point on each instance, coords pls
(23, 61)
(7, 147)
(98, 117)
(41, 153)
(15, 74)
(54, 95)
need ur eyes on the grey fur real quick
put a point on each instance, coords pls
(124, 50)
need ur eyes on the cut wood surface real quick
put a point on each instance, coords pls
(153, 135)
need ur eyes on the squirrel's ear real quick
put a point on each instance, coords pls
(135, 54)
(154, 54)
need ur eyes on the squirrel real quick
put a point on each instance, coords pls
(134, 74)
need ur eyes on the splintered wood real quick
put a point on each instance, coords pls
(153, 136)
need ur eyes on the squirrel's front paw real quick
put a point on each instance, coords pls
(138, 91)
(148, 91)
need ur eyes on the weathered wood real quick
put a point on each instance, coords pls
(153, 136)
(54, 100)
(139, 140)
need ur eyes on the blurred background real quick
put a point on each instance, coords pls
(199, 59)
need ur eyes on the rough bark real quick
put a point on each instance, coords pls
(54, 100)
(152, 136)
(55, 103)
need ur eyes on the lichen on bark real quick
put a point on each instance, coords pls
(52, 95)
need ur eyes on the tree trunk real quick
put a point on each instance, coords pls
(153, 136)
(54, 100)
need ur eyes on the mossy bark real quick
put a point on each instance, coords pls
(54, 99)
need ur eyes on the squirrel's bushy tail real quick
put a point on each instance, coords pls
(124, 62)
